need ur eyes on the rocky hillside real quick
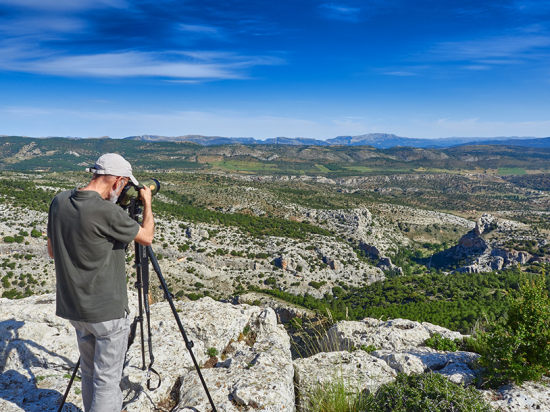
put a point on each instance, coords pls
(496, 243)
(252, 368)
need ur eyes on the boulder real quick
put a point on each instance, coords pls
(484, 223)
(530, 396)
(37, 350)
(209, 324)
(357, 370)
(392, 335)
(458, 373)
(256, 375)
(421, 360)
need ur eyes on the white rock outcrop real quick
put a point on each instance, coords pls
(253, 370)
(357, 370)
(393, 334)
(37, 349)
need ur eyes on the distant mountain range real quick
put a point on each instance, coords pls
(378, 140)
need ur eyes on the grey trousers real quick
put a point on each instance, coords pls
(102, 349)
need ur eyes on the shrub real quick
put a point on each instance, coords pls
(368, 349)
(426, 392)
(333, 396)
(9, 239)
(439, 342)
(195, 296)
(317, 285)
(36, 233)
(212, 352)
(18, 238)
(518, 349)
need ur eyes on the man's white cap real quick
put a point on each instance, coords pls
(113, 164)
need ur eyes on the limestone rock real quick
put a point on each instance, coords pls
(458, 373)
(37, 349)
(285, 311)
(257, 377)
(420, 360)
(209, 324)
(393, 334)
(484, 223)
(358, 370)
(530, 396)
(444, 332)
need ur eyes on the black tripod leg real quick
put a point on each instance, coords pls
(138, 259)
(145, 276)
(188, 343)
(69, 386)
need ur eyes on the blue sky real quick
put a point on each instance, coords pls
(307, 68)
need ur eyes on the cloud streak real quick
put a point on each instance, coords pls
(500, 47)
(339, 11)
(64, 5)
(167, 65)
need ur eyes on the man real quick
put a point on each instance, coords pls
(87, 235)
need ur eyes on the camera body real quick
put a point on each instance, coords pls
(131, 191)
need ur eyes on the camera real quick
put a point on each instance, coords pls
(131, 191)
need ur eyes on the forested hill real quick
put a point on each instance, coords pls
(62, 154)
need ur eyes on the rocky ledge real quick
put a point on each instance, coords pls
(245, 357)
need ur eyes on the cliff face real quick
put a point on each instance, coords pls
(490, 245)
(253, 370)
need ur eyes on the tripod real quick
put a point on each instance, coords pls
(144, 255)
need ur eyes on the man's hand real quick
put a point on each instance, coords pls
(145, 195)
(146, 231)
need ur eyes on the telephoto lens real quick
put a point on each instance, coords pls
(131, 191)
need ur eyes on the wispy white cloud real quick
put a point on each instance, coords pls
(498, 49)
(531, 6)
(41, 27)
(64, 5)
(168, 65)
(400, 73)
(198, 28)
(476, 127)
(340, 11)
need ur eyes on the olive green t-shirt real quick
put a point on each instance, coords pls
(88, 236)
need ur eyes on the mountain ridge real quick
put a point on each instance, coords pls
(378, 140)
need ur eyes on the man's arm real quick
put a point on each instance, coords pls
(147, 228)
(50, 249)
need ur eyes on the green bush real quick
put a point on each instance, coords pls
(36, 233)
(333, 396)
(18, 238)
(439, 342)
(195, 296)
(364, 348)
(317, 285)
(9, 239)
(212, 352)
(518, 348)
(426, 392)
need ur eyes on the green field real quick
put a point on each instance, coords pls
(362, 169)
(511, 171)
(234, 165)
